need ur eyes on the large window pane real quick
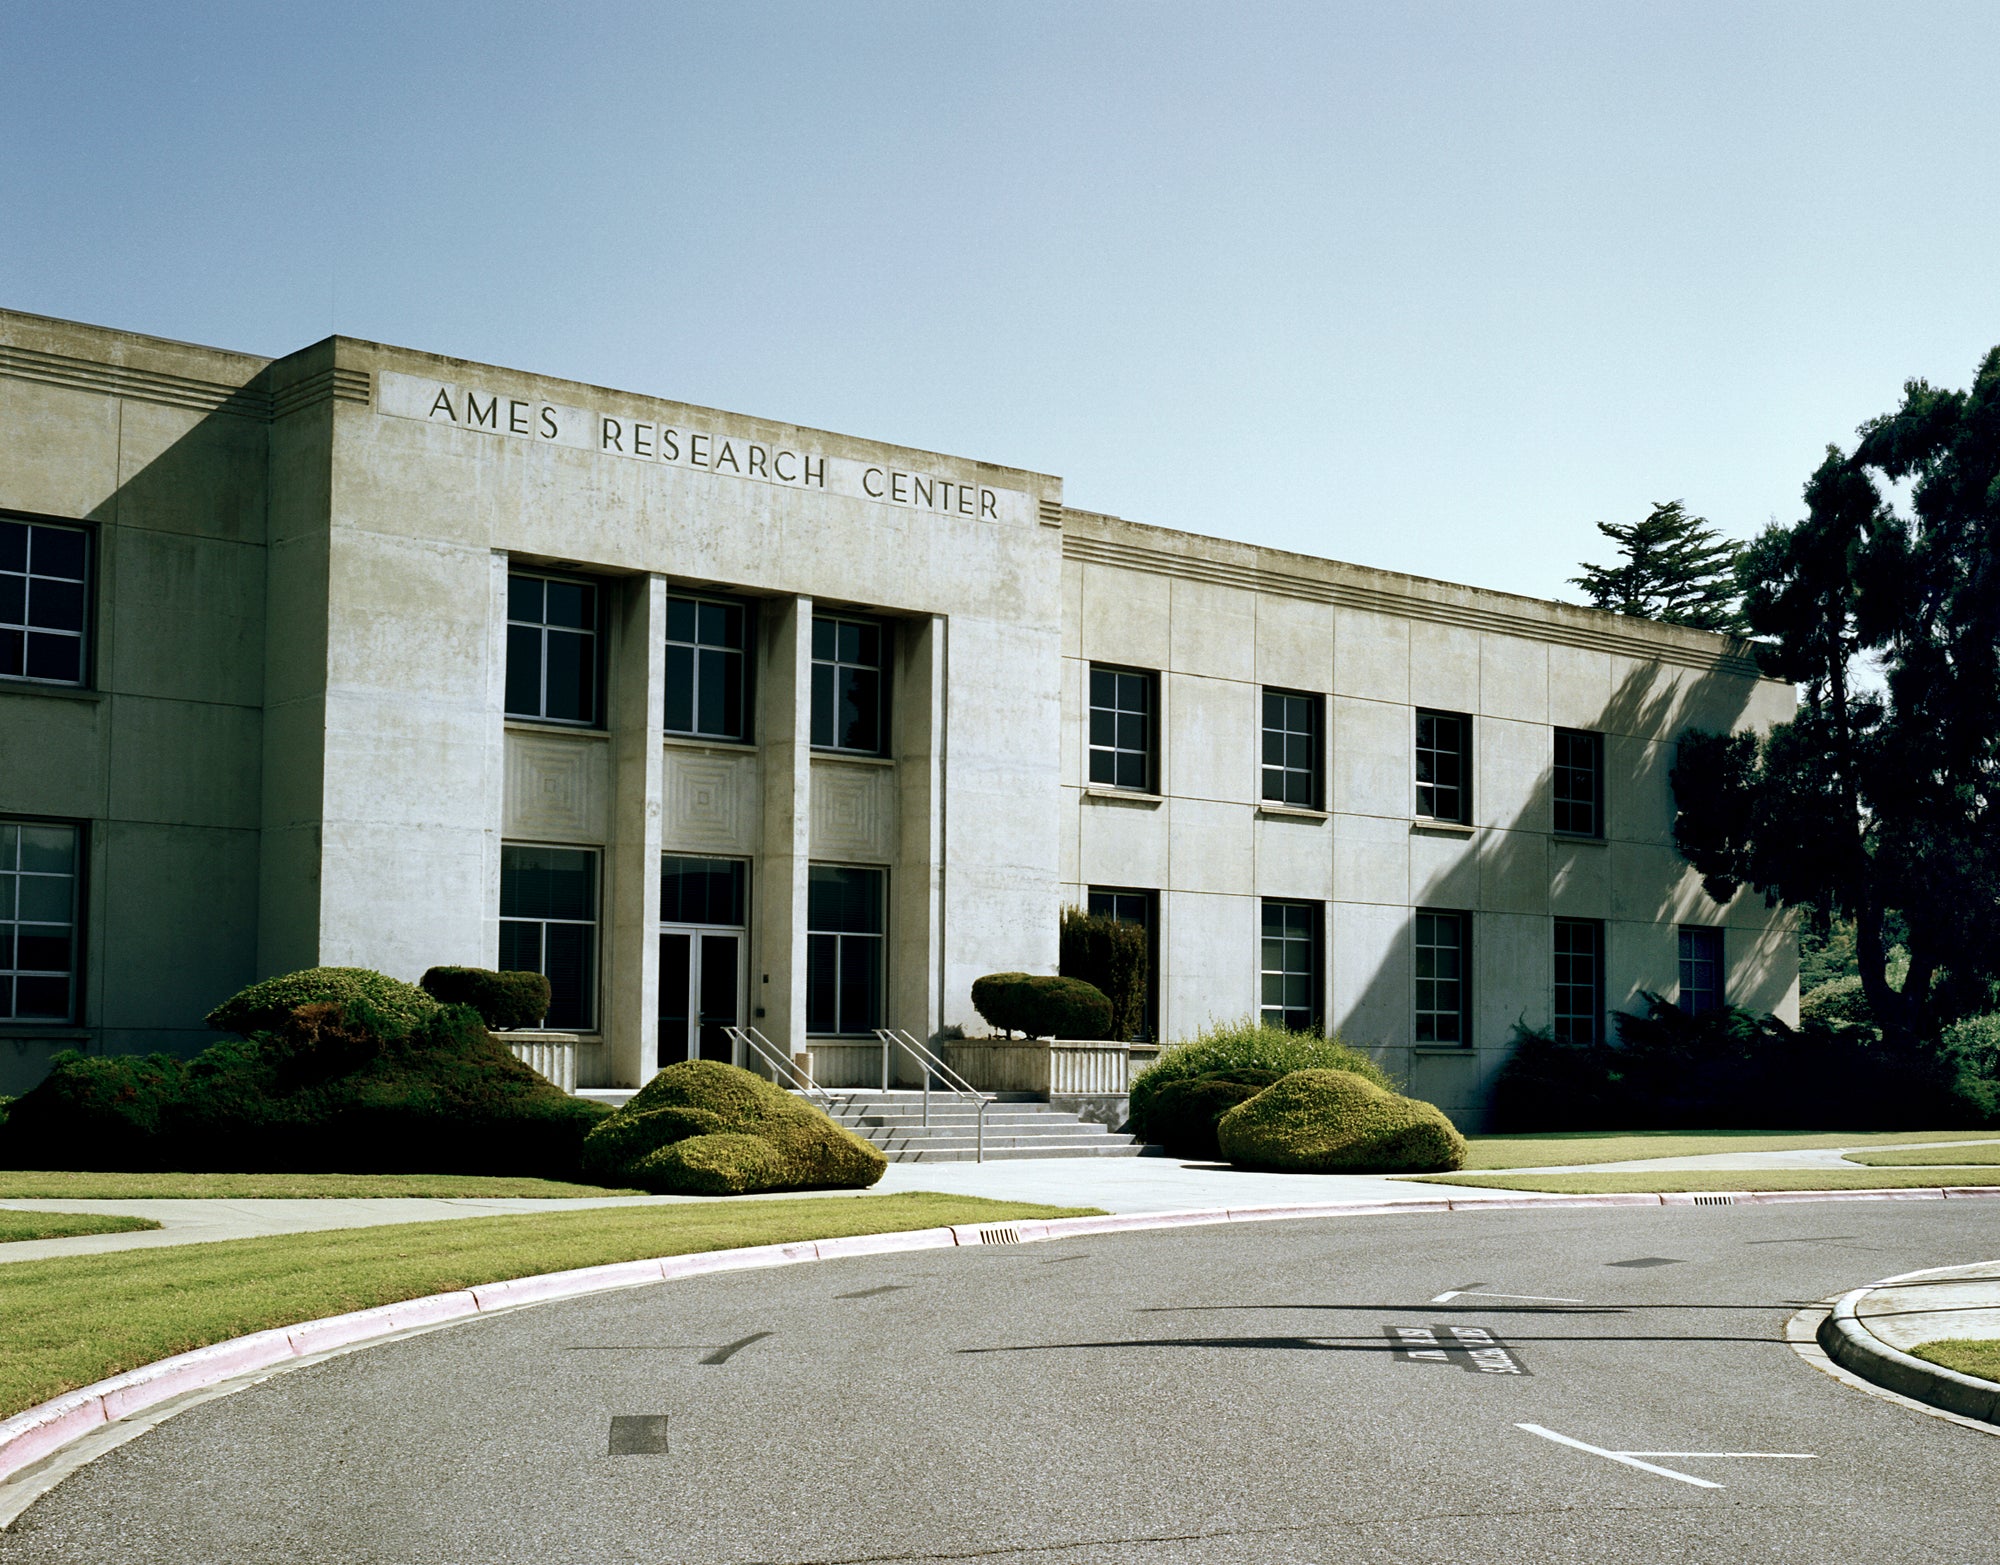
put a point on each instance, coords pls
(1579, 980)
(1441, 999)
(707, 651)
(848, 705)
(1121, 728)
(701, 890)
(1701, 969)
(39, 877)
(1442, 766)
(548, 925)
(1579, 782)
(1290, 981)
(1291, 755)
(43, 601)
(844, 949)
(552, 649)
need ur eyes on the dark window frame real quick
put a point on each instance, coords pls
(1577, 787)
(597, 631)
(739, 892)
(834, 684)
(1112, 752)
(746, 667)
(1289, 777)
(1577, 1006)
(1461, 920)
(816, 949)
(85, 632)
(1692, 997)
(1429, 794)
(1304, 927)
(10, 971)
(593, 996)
(1105, 901)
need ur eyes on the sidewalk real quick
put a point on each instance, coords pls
(1872, 1330)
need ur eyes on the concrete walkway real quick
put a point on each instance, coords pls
(1873, 1331)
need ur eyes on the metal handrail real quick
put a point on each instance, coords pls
(931, 1065)
(785, 1070)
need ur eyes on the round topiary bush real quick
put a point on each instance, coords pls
(1182, 1116)
(503, 1000)
(264, 1006)
(721, 1106)
(1042, 1007)
(1335, 1121)
(1235, 1048)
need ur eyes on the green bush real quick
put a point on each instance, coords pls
(503, 1000)
(1837, 1002)
(685, 1131)
(1236, 1047)
(335, 1088)
(266, 1005)
(1337, 1121)
(1042, 1007)
(1182, 1116)
(1110, 954)
(1971, 1053)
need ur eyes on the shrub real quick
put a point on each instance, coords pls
(684, 1131)
(266, 1005)
(1549, 1083)
(1042, 1007)
(1329, 1121)
(503, 1000)
(1971, 1053)
(1235, 1047)
(1836, 1002)
(1182, 1116)
(1109, 954)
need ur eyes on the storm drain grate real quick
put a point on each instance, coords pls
(999, 1236)
(1715, 1200)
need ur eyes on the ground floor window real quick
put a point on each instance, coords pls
(39, 877)
(548, 925)
(1701, 969)
(1443, 995)
(1290, 985)
(1141, 908)
(1579, 980)
(844, 941)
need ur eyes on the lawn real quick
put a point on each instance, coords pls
(64, 1185)
(1704, 1179)
(1928, 1157)
(67, 1322)
(1543, 1149)
(16, 1226)
(1969, 1356)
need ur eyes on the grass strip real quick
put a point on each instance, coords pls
(1543, 1149)
(67, 1322)
(16, 1226)
(1967, 1355)
(66, 1185)
(1929, 1157)
(1667, 1180)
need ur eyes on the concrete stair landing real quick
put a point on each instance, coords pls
(1028, 1128)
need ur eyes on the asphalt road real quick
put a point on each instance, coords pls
(1254, 1393)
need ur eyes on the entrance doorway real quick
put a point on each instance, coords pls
(702, 957)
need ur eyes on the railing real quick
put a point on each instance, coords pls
(929, 1064)
(785, 1071)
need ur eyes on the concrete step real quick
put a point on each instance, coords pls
(1016, 1154)
(1017, 1126)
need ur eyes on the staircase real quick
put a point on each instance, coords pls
(894, 1122)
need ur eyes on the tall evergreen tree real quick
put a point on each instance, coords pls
(1675, 567)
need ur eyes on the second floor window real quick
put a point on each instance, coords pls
(847, 705)
(42, 601)
(1121, 729)
(706, 649)
(1444, 766)
(1292, 749)
(1579, 779)
(552, 657)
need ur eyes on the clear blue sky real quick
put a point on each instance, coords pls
(1425, 286)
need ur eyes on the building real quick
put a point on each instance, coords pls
(367, 656)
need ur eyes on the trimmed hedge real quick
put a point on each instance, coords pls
(704, 1128)
(1335, 1121)
(1182, 1116)
(266, 1005)
(1236, 1050)
(503, 1000)
(1111, 955)
(1042, 1007)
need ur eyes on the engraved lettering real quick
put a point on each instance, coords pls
(517, 418)
(549, 430)
(443, 401)
(612, 436)
(482, 418)
(642, 439)
(896, 491)
(670, 444)
(778, 467)
(872, 490)
(727, 456)
(816, 474)
(757, 454)
(989, 504)
(964, 500)
(920, 487)
(698, 450)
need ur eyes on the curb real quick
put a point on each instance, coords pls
(40, 1432)
(1846, 1339)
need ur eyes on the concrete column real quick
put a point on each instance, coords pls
(630, 976)
(916, 885)
(778, 906)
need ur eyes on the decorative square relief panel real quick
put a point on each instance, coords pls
(710, 803)
(853, 811)
(557, 789)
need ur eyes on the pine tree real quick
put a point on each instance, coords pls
(1676, 568)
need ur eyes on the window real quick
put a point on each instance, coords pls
(1701, 969)
(38, 947)
(1292, 748)
(1141, 908)
(1579, 979)
(843, 950)
(701, 891)
(1442, 992)
(1121, 728)
(1290, 991)
(548, 925)
(847, 705)
(552, 649)
(1444, 772)
(706, 689)
(42, 571)
(1579, 783)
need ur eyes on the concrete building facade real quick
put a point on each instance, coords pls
(365, 656)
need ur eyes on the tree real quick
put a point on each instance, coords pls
(1676, 568)
(1880, 796)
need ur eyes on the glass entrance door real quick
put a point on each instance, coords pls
(701, 993)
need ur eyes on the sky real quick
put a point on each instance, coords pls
(1430, 287)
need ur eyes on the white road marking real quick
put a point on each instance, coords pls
(1617, 1456)
(1769, 1456)
(1480, 1293)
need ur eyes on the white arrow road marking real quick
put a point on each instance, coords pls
(1480, 1293)
(1617, 1456)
